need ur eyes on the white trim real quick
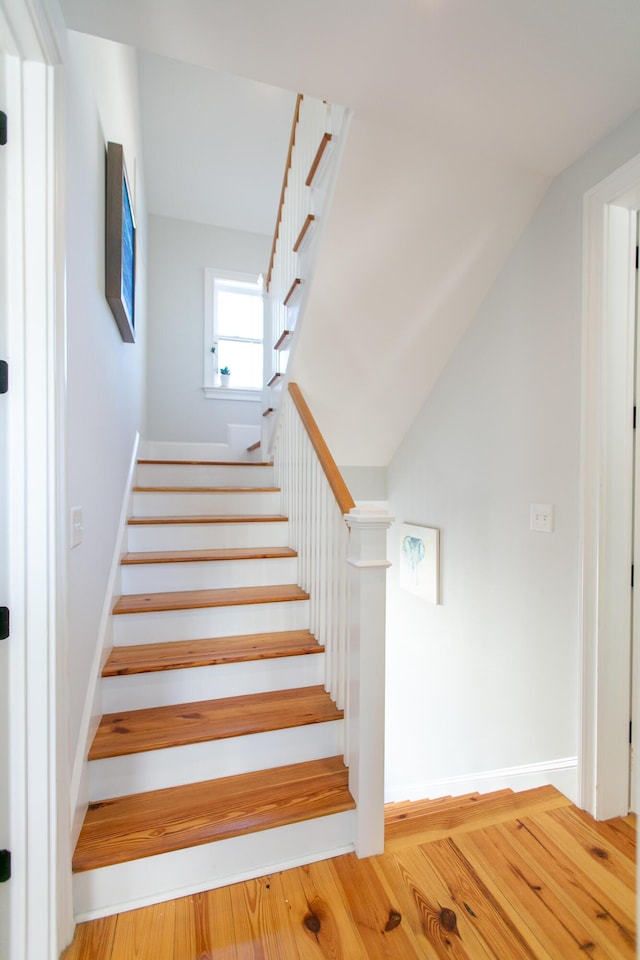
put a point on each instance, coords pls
(92, 710)
(606, 495)
(41, 916)
(210, 387)
(561, 773)
(232, 393)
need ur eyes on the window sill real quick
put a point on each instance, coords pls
(232, 393)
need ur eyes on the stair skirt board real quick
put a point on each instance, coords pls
(139, 883)
(192, 503)
(212, 759)
(167, 625)
(204, 475)
(141, 690)
(203, 536)
(205, 574)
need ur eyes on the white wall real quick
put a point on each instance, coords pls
(489, 680)
(105, 377)
(179, 251)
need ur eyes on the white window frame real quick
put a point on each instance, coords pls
(212, 389)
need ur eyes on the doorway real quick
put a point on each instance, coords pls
(610, 222)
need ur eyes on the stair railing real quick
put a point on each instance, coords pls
(318, 134)
(342, 565)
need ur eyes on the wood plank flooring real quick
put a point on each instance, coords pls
(505, 877)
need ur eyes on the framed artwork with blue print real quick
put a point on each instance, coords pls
(420, 561)
(120, 244)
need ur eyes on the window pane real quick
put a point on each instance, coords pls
(244, 360)
(238, 315)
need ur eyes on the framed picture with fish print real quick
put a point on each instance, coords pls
(420, 561)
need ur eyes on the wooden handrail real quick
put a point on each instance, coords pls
(292, 143)
(328, 464)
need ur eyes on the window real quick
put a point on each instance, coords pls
(233, 334)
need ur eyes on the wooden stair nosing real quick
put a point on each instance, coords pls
(213, 554)
(192, 489)
(202, 599)
(157, 728)
(211, 518)
(146, 824)
(183, 654)
(210, 463)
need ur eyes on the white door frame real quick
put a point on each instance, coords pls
(607, 489)
(41, 912)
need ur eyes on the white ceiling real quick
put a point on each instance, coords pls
(215, 144)
(464, 110)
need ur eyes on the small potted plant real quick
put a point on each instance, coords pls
(225, 373)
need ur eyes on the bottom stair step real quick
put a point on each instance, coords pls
(147, 824)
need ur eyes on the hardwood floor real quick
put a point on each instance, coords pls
(504, 876)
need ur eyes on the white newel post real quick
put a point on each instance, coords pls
(367, 575)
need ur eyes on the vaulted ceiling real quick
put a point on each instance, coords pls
(464, 110)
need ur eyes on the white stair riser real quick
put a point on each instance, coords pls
(133, 628)
(142, 690)
(204, 575)
(202, 475)
(175, 766)
(201, 536)
(155, 504)
(109, 890)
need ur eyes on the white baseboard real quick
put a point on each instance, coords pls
(79, 788)
(562, 774)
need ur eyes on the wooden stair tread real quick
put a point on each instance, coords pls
(194, 556)
(470, 814)
(212, 463)
(141, 825)
(200, 599)
(212, 518)
(155, 728)
(192, 489)
(181, 654)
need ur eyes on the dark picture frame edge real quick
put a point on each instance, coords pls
(120, 243)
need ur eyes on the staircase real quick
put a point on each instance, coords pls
(220, 755)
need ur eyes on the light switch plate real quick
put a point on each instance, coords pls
(77, 527)
(541, 517)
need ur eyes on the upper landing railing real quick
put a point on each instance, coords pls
(317, 135)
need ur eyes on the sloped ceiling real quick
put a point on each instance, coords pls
(464, 110)
(215, 144)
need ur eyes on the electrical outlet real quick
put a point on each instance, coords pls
(77, 527)
(541, 517)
